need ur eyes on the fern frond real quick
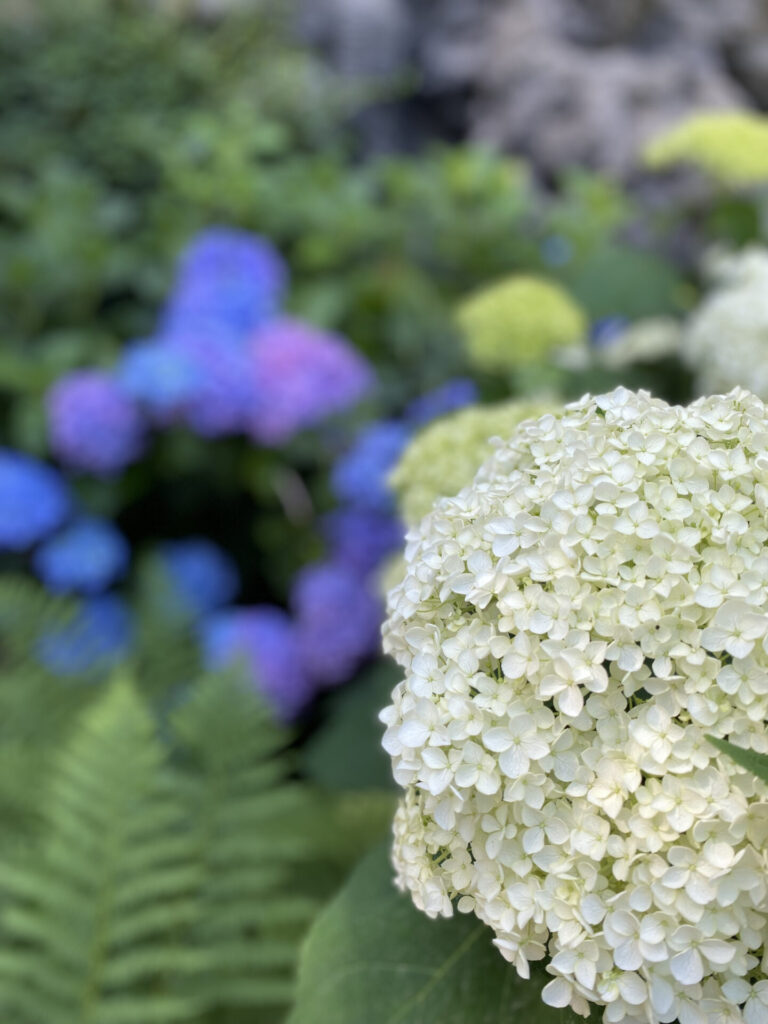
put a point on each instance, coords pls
(79, 905)
(250, 834)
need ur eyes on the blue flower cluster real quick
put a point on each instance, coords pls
(223, 361)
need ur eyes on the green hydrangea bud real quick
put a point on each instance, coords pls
(730, 146)
(444, 457)
(518, 322)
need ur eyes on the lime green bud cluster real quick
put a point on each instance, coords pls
(443, 458)
(518, 322)
(730, 146)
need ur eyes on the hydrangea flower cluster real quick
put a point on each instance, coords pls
(264, 639)
(198, 576)
(222, 362)
(93, 426)
(281, 354)
(34, 500)
(338, 621)
(731, 146)
(519, 321)
(445, 456)
(571, 627)
(86, 557)
(726, 341)
(99, 636)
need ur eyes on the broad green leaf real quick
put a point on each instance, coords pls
(372, 957)
(749, 759)
(346, 753)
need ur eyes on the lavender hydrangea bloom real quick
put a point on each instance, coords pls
(264, 638)
(224, 394)
(338, 621)
(86, 557)
(360, 475)
(453, 395)
(34, 500)
(161, 377)
(303, 376)
(362, 538)
(92, 425)
(98, 637)
(229, 277)
(202, 577)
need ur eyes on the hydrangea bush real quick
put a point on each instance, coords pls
(725, 342)
(571, 627)
(729, 145)
(444, 456)
(519, 321)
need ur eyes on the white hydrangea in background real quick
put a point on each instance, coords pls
(726, 340)
(571, 626)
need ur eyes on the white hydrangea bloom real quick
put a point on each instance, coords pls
(571, 627)
(726, 341)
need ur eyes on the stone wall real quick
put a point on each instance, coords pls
(560, 81)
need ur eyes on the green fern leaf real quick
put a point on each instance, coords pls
(78, 906)
(249, 836)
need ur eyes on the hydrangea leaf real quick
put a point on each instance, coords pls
(346, 753)
(755, 763)
(371, 956)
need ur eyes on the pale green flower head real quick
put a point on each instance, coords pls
(518, 322)
(444, 457)
(730, 146)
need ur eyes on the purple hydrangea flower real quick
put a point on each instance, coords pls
(86, 557)
(362, 538)
(338, 621)
(264, 639)
(98, 637)
(228, 277)
(160, 377)
(454, 394)
(202, 577)
(92, 425)
(224, 395)
(360, 475)
(34, 500)
(302, 375)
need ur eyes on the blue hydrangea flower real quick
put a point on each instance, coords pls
(34, 500)
(228, 277)
(362, 538)
(86, 557)
(302, 376)
(605, 331)
(453, 395)
(338, 621)
(202, 577)
(264, 639)
(160, 377)
(360, 475)
(92, 425)
(98, 637)
(224, 394)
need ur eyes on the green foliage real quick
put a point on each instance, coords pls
(345, 753)
(158, 888)
(371, 956)
(754, 762)
(37, 707)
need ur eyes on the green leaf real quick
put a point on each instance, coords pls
(346, 753)
(371, 956)
(749, 759)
